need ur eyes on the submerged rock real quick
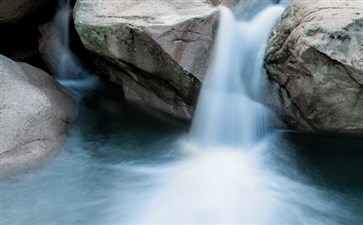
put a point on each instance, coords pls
(35, 111)
(315, 57)
(157, 50)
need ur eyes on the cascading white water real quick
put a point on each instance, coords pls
(72, 73)
(226, 113)
(220, 182)
(229, 174)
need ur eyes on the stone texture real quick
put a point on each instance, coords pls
(315, 56)
(11, 11)
(158, 50)
(34, 112)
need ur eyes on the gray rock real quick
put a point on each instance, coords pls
(35, 111)
(315, 57)
(158, 50)
(11, 11)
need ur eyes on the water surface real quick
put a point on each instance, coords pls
(111, 164)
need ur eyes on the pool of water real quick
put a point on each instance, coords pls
(133, 168)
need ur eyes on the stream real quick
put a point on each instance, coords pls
(112, 165)
(230, 166)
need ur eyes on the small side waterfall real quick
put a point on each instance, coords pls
(69, 63)
(226, 112)
(72, 74)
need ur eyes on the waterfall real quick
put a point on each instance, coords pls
(219, 182)
(72, 74)
(232, 172)
(231, 168)
(227, 113)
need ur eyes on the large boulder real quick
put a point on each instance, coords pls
(157, 50)
(12, 11)
(34, 110)
(315, 57)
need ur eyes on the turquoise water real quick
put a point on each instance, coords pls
(111, 163)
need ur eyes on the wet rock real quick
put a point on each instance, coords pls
(35, 112)
(314, 57)
(158, 51)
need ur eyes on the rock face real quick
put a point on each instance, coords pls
(157, 50)
(12, 11)
(315, 55)
(34, 111)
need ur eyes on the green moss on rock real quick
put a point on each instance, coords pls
(94, 38)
